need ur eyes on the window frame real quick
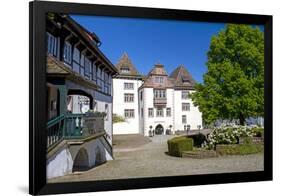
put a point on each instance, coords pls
(128, 86)
(183, 119)
(125, 70)
(52, 46)
(157, 112)
(67, 59)
(151, 115)
(129, 97)
(183, 93)
(88, 66)
(185, 106)
(170, 112)
(130, 112)
(159, 94)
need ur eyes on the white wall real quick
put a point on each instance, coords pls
(131, 125)
(174, 101)
(61, 163)
(193, 117)
(102, 99)
(154, 121)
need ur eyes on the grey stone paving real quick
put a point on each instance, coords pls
(150, 160)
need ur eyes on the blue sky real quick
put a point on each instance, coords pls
(149, 41)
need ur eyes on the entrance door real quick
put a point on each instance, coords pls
(159, 130)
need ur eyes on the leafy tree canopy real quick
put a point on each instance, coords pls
(233, 86)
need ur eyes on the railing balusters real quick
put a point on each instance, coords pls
(54, 130)
(71, 126)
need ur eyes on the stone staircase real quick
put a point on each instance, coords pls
(161, 138)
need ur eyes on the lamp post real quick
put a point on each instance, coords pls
(199, 127)
(187, 129)
(150, 131)
(171, 129)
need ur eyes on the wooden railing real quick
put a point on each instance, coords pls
(81, 125)
(73, 126)
(55, 130)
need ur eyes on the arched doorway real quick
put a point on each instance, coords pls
(99, 158)
(81, 161)
(159, 130)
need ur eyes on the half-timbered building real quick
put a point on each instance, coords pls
(79, 79)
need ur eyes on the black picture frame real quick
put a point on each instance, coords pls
(37, 100)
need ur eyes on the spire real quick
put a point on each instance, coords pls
(125, 66)
(158, 69)
(182, 78)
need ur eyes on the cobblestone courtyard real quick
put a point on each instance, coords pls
(137, 156)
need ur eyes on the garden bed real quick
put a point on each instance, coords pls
(199, 154)
(238, 149)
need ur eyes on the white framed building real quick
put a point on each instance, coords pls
(158, 103)
(125, 96)
(164, 102)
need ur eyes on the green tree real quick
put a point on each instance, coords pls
(233, 86)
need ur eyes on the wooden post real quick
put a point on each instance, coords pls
(63, 105)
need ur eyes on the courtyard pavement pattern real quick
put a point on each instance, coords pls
(136, 156)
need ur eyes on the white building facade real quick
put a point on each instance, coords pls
(165, 104)
(125, 97)
(157, 105)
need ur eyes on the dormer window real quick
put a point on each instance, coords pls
(125, 70)
(185, 80)
(159, 80)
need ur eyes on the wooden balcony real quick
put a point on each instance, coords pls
(73, 126)
(160, 101)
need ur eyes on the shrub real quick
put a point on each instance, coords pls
(245, 140)
(238, 149)
(257, 131)
(179, 144)
(91, 113)
(198, 139)
(116, 118)
(229, 135)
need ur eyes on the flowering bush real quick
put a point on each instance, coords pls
(229, 134)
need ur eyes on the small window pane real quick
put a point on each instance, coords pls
(183, 118)
(67, 53)
(129, 113)
(128, 86)
(168, 112)
(150, 112)
(185, 106)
